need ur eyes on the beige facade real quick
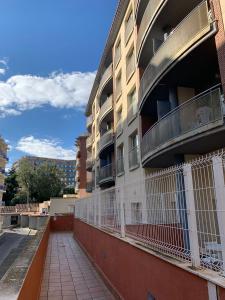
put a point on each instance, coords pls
(158, 95)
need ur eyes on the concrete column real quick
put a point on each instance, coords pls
(191, 214)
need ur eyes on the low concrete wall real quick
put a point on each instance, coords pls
(62, 222)
(61, 205)
(135, 273)
(30, 289)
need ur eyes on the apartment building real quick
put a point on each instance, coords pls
(66, 166)
(158, 96)
(83, 177)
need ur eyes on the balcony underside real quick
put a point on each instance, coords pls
(107, 182)
(199, 144)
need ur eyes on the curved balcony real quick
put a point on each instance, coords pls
(89, 142)
(89, 121)
(2, 171)
(106, 77)
(185, 36)
(89, 163)
(106, 140)
(106, 108)
(147, 21)
(3, 155)
(106, 174)
(183, 129)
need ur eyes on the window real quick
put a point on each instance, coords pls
(118, 85)
(117, 53)
(129, 25)
(120, 155)
(130, 64)
(132, 105)
(119, 128)
(133, 151)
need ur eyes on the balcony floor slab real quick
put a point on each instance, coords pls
(68, 273)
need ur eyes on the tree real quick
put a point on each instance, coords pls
(68, 190)
(26, 178)
(12, 187)
(47, 182)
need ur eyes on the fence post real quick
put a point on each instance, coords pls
(94, 198)
(99, 208)
(220, 201)
(191, 215)
(122, 211)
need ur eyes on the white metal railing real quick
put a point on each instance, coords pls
(106, 107)
(179, 211)
(105, 139)
(190, 118)
(147, 20)
(105, 78)
(132, 111)
(186, 34)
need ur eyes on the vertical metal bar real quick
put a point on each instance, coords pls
(122, 211)
(99, 209)
(192, 224)
(220, 202)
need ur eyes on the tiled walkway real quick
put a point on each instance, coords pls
(69, 274)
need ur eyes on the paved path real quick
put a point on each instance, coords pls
(68, 274)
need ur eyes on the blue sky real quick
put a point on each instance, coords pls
(49, 52)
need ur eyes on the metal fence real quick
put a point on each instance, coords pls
(179, 211)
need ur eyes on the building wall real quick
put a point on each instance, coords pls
(137, 274)
(61, 205)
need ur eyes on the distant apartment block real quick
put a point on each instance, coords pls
(68, 167)
(83, 177)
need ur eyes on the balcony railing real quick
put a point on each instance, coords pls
(132, 112)
(120, 166)
(105, 78)
(129, 27)
(195, 116)
(133, 157)
(2, 188)
(89, 141)
(106, 173)
(106, 139)
(89, 163)
(106, 107)
(147, 21)
(2, 171)
(119, 128)
(194, 27)
(3, 155)
(89, 121)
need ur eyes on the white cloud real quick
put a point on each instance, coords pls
(61, 90)
(44, 148)
(3, 66)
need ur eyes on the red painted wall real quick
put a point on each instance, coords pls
(133, 272)
(31, 287)
(62, 223)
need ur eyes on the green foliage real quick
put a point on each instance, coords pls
(33, 183)
(12, 187)
(47, 182)
(68, 190)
